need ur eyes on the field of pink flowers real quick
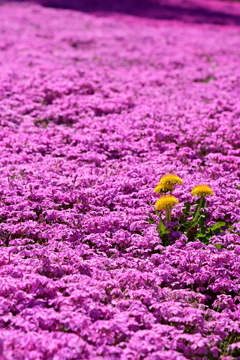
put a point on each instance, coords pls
(94, 109)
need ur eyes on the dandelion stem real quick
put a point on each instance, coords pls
(168, 214)
(198, 209)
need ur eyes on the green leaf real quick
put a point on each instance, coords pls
(218, 246)
(201, 236)
(187, 206)
(217, 225)
(161, 227)
(151, 221)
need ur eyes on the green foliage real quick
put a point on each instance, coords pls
(193, 224)
(164, 233)
(232, 338)
(205, 80)
(206, 233)
(150, 220)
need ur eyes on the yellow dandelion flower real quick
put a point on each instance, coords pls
(170, 179)
(166, 202)
(163, 188)
(202, 190)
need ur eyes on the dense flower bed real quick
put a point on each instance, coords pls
(93, 111)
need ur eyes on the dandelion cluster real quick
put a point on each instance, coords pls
(167, 202)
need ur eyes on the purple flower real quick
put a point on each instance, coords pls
(92, 115)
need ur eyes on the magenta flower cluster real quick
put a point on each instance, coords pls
(93, 111)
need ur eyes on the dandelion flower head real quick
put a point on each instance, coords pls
(202, 190)
(170, 179)
(166, 202)
(163, 188)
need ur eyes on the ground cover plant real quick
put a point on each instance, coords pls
(95, 110)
